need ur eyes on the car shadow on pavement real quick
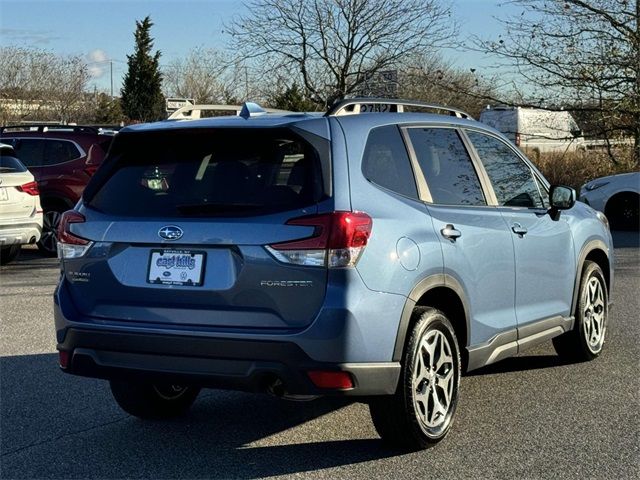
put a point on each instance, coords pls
(61, 426)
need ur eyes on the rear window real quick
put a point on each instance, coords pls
(9, 164)
(207, 173)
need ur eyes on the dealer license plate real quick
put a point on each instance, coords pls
(176, 267)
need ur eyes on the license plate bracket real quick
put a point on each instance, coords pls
(176, 267)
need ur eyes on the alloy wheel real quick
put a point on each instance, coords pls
(594, 314)
(49, 237)
(433, 380)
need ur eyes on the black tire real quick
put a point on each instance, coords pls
(575, 345)
(400, 418)
(623, 211)
(149, 401)
(9, 254)
(48, 243)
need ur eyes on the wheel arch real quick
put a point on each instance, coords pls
(595, 251)
(52, 200)
(447, 295)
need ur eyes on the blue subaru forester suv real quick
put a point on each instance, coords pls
(376, 251)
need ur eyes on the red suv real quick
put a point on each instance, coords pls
(62, 158)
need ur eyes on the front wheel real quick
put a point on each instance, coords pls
(153, 401)
(421, 411)
(586, 340)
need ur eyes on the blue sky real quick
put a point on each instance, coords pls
(102, 30)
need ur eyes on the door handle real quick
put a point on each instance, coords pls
(518, 229)
(450, 232)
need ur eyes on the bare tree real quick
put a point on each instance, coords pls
(199, 76)
(38, 84)
(433, 79)
(580, 54)
(330, 46)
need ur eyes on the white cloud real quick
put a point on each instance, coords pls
(98, 61)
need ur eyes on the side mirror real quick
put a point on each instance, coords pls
(577, 133)
(561, 197)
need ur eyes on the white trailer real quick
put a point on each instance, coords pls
(535, 129)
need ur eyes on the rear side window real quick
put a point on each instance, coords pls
(59, 151)
(447, 167)
(386, 162)
(30, 151)
(208, 173)
(9, 164)
(512, 179)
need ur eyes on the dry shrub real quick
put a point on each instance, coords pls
(577, 168)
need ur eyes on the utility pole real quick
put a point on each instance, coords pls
(111, 69)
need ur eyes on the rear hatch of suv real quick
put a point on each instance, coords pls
(175, 228)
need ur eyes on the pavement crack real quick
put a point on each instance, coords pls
(68, 434)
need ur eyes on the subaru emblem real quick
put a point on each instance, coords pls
(170, 232)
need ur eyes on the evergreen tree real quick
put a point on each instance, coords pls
(142, 98)
(293, 99)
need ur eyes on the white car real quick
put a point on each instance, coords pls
(617, 196)
(20, 210)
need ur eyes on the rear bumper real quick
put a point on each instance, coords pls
(20, 234)
(215, 362)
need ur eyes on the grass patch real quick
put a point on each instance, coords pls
(577, 168)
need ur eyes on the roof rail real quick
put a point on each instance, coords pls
(38, 127)
(342, 107)
(186, 112)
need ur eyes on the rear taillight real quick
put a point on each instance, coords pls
(69, 244)
(31, 188)
(91, 169)
(338, 240)
(517, 139)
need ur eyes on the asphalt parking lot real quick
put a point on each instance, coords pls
(526, 417)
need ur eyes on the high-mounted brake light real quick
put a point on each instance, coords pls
(30, 188)
(69, 244)
(338, 240)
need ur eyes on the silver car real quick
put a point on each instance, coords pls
(617, 196)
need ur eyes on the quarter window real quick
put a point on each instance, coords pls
(59, 151)
(512, 179)
(386, 162)
(447, 167)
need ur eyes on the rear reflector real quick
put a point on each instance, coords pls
(30, 188)
(338, 240)
(63, 358)
(330, 380)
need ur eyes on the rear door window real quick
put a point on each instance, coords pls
(511, 177)
(386, 162)
(30, 151)
(446, 166)
(208, 173)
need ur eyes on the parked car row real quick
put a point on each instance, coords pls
(62, 158)
(20, 211)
